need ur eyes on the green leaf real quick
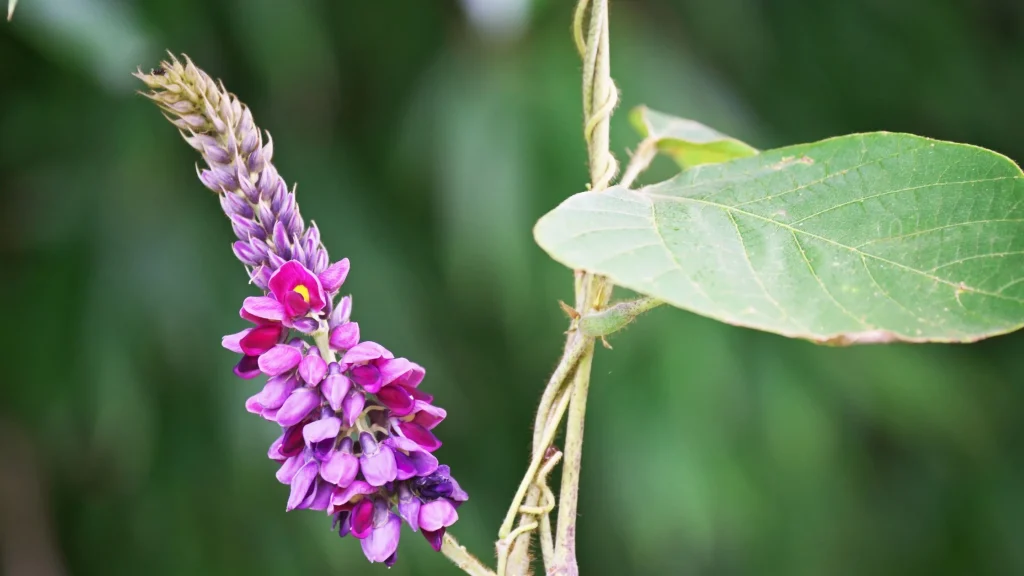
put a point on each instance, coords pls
(689, 143)
(858, 239)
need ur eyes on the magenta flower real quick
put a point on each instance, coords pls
(295, 295)
(356, 432)
(297, 289)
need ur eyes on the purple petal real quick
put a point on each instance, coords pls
(458, 494)
(437, 515)
(306, 325)
(298, 406)
(280, 359)
(253, 405)
(334, 387)
(246, 228)
(352, 406)
(435, 539)
(345, 336)
(288, 469)
(261, 339)
(362, 518)
(342, 312)
(319, 497)
(341, 523)
(334, 276)
(380, 468)
(365, 352)
(274, 260)
(409, 507)
(274, 452)
(420, 395)
(295, 304)
(356, 488)
(277, 391)
(264, 307)
(291, 441)
(419, 435)
(397, 399)
(382, 542)
(312, 369)
(280, 237)
(261, 277)
(425, 462)
(301, 483)
(401, 371)
(321, 430)
(428, 415)
(367, 376)
(406, 469)
(339, 468)
(245, 252)
(234, 203)
(248, 367)
(233, 341)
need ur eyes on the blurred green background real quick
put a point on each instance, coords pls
(426, 137)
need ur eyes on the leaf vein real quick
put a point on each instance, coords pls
(897, 191)
(810, 268)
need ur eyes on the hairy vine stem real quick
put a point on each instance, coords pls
(568, 386)
(593, 292)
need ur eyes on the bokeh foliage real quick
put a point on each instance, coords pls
(425, 145)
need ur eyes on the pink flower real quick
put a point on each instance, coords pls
(297, 289)
(294, 293)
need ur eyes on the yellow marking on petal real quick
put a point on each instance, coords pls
(303, 291)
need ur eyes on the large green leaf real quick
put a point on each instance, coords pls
(864, 238)
(688, 142)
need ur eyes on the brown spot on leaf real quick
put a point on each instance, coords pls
(788, 161)
(865, 337)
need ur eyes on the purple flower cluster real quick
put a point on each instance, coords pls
(356, 436)
(356, 431)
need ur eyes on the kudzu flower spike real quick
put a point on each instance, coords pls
(357, 437)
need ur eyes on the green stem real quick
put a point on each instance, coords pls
(592, 292)
(462, 558)
(547, 432)
(614, 318)
(641, 159)
(323, 343)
